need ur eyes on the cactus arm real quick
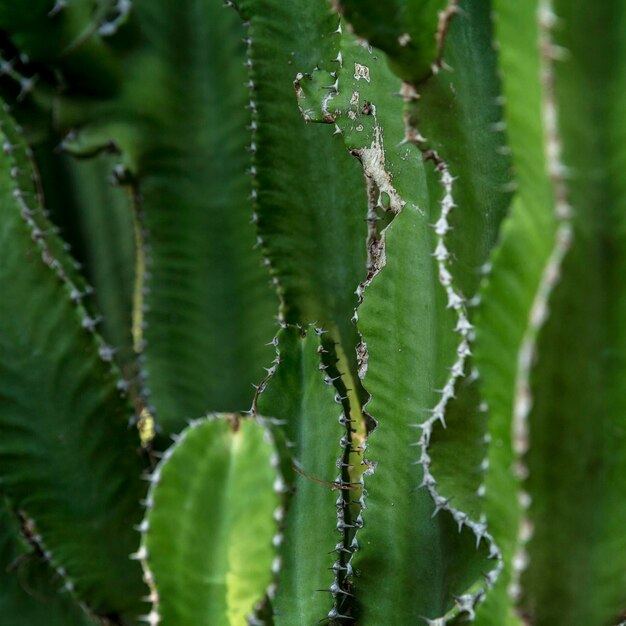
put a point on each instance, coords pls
(410, 32)
(369, 114)
(568, 213)
(313, 240)
(66, 455)
(579, 511)
(190, 181)
(456, 180)
(28, 585)
(458, 119)
(301, 398)
(207, 535)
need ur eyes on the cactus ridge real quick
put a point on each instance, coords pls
(304, 411)
(538, 313)
(82, 399)
(261, 243)
(456, 302)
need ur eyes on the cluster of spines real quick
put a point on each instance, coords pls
(115, 16)
(556, 171)
(9, 69)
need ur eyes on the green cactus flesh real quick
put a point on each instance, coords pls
(430, 195)
(66, 455)
(207, 536)
(314, 248)
(190, 183)
(86, 206)
(306, 407)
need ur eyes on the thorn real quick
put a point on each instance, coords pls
(334, 614)
(152, 618)
(140, 555)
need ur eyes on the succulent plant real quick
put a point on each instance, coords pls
(410, 214)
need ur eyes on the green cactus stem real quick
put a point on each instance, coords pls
(207, 535)
(66, 455)
(309, 413)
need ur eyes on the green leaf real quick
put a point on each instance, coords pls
(29, 587)
(301, 398)
(67, 457)
(207, 542)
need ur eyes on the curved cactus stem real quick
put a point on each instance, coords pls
(309, 195)
(306, 409)
(29, 587)
(67, 457)
(553, 317)
(207, 535)
(410, 32)
(207, 308)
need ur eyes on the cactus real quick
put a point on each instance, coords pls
(421, 202)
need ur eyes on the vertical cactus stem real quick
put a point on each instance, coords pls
(538, 313)
(302, 407)
(254, 193)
